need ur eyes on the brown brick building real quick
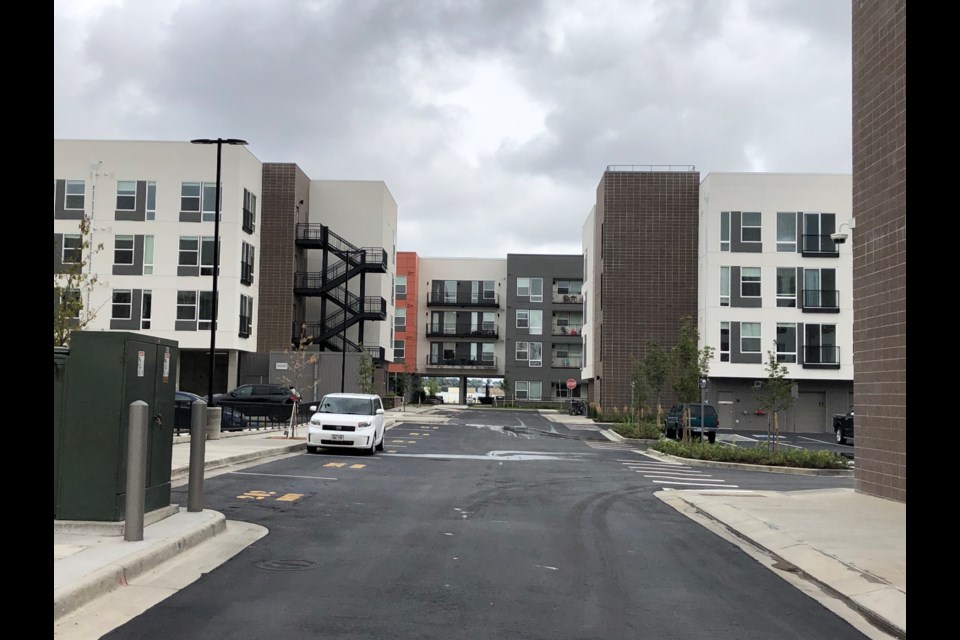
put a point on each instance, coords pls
(879, 247)
(644, 275)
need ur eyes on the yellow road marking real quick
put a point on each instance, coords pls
(335, 464)
(413, 433)
(256, 495)
(411, 442)
(392, 451)
(290, 497)
(357, 466)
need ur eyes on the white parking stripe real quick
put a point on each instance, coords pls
(685, 478)
(694, 484)
(691, 474)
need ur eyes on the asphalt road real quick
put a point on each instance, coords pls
(811, 441)
(495, 525)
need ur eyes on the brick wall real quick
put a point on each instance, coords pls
(879, 247)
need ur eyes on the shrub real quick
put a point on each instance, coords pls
(646, 429)
(754, 455)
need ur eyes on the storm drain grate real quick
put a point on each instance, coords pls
(287, 565)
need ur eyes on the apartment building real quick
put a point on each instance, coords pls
(640, 257)
(878, 244)
(406, 319)
(771, 279)
(463, 318)
(544, 327)
(152, 206)
(287, 268)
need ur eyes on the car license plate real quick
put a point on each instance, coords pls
(336, 436)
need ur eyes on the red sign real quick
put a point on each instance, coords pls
(571, 384)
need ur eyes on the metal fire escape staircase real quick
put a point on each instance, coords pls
(342, 263)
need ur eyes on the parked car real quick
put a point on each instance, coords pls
(843, 426)
(230, 419)
(270, 402)
(347, 421)
(698, 427)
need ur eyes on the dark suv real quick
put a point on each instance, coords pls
(270, 401)
(671, 420)
(843, 426)
(674, 423)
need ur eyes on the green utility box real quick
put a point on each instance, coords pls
(104, 372)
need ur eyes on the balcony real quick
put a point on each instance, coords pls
(575, 362)
(567, 298)
(440, 362)
(821, 301)
(486, 299)
(821, 357)
(567, 330)
(819, 246)
(462, 330)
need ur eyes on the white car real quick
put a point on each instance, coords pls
(347, 421)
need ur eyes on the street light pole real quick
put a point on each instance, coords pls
(216, 252)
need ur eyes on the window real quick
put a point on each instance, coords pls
(525, 390)
(724, 342)
(750, 282)
(71, 302)
(146, 310)
(724, 286)
(151, 201)
(819, 288)
(189, 251)
(126, 195)
(536, 354)
(249, 211)
(186, 305)
(122, 304)
(750, 226)
(209, 201)
(190, 197)
(536, 289)
(536, 322)
(486, 354)
(817, 228)
(399, 349)
(523, 287)
(749, 337)
(786, 342)
(246, 263)
(400, 322)
(724, 231)
(487, 321)
(72, 249)
(147, 255)
(523, 318)
(450, 291)
(523, 350)
(206, 256)
(123, 250)
(820, 344)
(246, 316)
(787, 231)
(786, 287)
(206, 310)
(489, 290)
(401, 286)
(569, 286)
(74, 197)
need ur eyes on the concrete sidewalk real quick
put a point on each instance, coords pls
(850, 544)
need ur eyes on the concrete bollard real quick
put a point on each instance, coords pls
(198, 424)
(213, 423)
(136, 471)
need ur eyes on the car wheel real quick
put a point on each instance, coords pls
(671, 434)
(712, 437)
(372, 449)
(840, 439)
(312, 449)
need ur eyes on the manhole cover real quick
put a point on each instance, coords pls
(286, 565)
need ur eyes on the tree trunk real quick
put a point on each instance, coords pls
(776, 432)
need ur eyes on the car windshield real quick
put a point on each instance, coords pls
(356, 406)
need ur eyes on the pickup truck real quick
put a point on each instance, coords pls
(698, 428)
(843, 426)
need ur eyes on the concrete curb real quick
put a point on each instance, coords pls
(70, 598)
(610, 434)
(752, 467)
(813, 565)
(210, 465)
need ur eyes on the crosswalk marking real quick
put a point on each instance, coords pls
(675, 474)
(685, 478)
(695, 484)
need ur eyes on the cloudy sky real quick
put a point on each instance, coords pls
(490, 121)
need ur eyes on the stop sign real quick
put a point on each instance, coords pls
(571, 384)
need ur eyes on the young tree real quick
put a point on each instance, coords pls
(505, 385)
(656, 367)
(775, 394)
(639, 387)
(299, 372)
(365, 371)
(71, 284)
(689, 365)
(433, 387)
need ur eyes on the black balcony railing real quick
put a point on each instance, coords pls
(463, 300)
(567, 330)
(575, 362)
(567, 298)
(819, 245)
(248, 221)
(462, 330)
(478, 363)
(821, 357)
(821, 300)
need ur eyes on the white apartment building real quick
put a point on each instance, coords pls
(152, 206)
(589, 302)
(771, 278)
